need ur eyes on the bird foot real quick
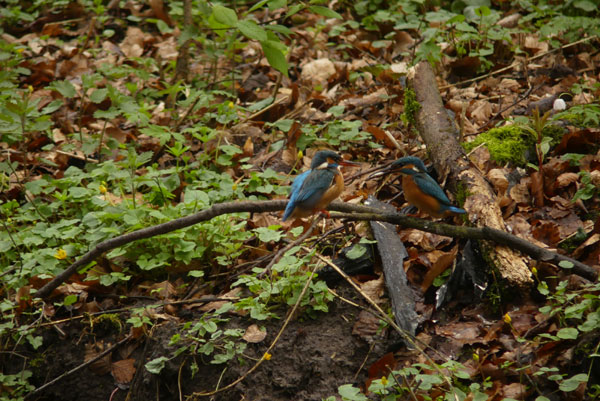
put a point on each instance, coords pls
(325, 213)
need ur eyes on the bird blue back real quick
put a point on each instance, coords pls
(308, 188)
(296, 185)
(425, 182)
(429, 186)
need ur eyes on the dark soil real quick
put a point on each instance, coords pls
(311, 359)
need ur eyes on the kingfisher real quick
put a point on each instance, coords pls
(316, 188)
(421, 190)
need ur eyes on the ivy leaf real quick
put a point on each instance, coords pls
(266, 234)
(224, 15)
(351, 393)
(568, 333)
(565, 264)
(572, 383)
(156, 365)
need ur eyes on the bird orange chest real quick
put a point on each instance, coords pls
(417, 197)
(333, 192)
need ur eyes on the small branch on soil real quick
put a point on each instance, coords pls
(75, 369)
(349, 212)
(273, 343)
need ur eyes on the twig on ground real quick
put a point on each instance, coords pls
(273, 343)
(77, 368)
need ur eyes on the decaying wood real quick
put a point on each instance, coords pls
(440, 136)
(392, 253)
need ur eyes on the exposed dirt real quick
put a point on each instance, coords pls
(311, 359)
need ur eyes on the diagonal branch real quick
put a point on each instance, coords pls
(349, 211)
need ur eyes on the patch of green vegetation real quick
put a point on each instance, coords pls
(462, 193)
(507, 144)
(583, 115)
(411, 107)
(571, 243)
(108, 320)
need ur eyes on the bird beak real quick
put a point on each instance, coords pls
(348, 163)
(382, 171)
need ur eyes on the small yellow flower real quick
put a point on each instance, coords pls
(30, 89)
(507, 319)
(384, 380)
(102, 189)
(300, 154)
(234, 187)
(230, 105)
(60, 254)
(475, 356)
(534, 271)
(267, 356)
(20, 50)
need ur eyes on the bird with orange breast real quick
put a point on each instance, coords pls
(421, 190)
(313, 190)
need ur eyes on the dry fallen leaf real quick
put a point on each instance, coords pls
(366, 326)
(318, 71)
(123, 370)
(254, 334)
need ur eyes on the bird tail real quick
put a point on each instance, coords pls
(455, 209)
(288, 211)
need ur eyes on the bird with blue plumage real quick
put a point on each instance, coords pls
(421, 190)
(313, 190)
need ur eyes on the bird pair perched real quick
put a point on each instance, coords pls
(315, 189)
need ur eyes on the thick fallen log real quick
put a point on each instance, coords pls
(439, 133)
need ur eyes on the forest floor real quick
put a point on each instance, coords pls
(99, 138)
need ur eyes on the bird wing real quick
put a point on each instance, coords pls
(296, 185)
(314, 186)
(431, 187)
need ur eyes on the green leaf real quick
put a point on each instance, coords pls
(275, 4)
(257, 5)
(70, 300)
(252, 30)
(266, 234)
(224, 15)
(573, 382)
(163, 27)
(568, 333)
(281, 29)
(196, 273)
(156, 365)
(325, 12)
(351, 393)
(565, 264)
(65, 88)
(356, 252)
(294, 9)
(275, 56)
(52, 106)
(542, 398)
(585, 5)
(98, 95)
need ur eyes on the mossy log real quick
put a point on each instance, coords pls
(439, 133)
